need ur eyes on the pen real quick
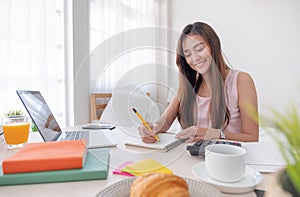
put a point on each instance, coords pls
(111, 128)
(144, 123)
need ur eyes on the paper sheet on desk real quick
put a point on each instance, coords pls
(264, 156)
(146, 166)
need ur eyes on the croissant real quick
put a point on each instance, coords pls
(159, 185)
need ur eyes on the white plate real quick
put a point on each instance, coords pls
(248, 183)
(122, 189)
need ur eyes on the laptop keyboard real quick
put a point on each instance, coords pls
(77, 135)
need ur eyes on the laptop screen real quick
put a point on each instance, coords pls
(40, 114)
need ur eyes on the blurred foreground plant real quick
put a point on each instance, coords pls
(287, 125)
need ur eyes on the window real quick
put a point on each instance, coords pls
(112, 19)
(32, 52)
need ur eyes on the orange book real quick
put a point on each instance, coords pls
(45, 156)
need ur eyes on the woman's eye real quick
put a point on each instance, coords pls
(187, 55)
(200, 49)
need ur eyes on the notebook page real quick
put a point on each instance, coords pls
(130, 137)
(166, 142)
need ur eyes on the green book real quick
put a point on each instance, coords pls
(95, 167)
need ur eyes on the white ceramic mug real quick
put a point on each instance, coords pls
(225, 162)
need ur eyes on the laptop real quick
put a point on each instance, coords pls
(48, 127)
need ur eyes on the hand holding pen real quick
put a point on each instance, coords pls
(148, 131)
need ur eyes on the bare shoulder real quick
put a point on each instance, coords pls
(245, 85)
(244, 79)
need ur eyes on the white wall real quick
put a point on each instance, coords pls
(259, 37)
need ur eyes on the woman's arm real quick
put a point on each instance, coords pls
(169, 115)
(246, 96)
(162, 124)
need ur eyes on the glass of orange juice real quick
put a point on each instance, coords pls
(15, 130)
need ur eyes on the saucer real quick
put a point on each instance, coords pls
(248, 182)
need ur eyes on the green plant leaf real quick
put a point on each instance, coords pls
(287, 137)
(17, 112)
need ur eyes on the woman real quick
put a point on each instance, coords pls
(213, 100)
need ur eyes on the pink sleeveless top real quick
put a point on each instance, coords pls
(231, 98)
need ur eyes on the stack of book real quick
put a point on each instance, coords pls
(57, 161)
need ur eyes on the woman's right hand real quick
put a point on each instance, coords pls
(147, 135)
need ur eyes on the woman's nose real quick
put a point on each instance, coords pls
(195, 57)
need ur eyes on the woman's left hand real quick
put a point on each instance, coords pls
(190, 134)
(194, 134)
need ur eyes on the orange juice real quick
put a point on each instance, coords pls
(16, 133)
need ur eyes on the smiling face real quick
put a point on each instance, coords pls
(197, 53)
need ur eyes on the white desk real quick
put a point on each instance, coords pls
(177, 159)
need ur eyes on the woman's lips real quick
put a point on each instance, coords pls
(200, 64)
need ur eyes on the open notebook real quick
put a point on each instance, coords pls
(130, 137)
(166, 142)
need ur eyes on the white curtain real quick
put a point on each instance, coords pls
(32, 52)
(112, 23)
